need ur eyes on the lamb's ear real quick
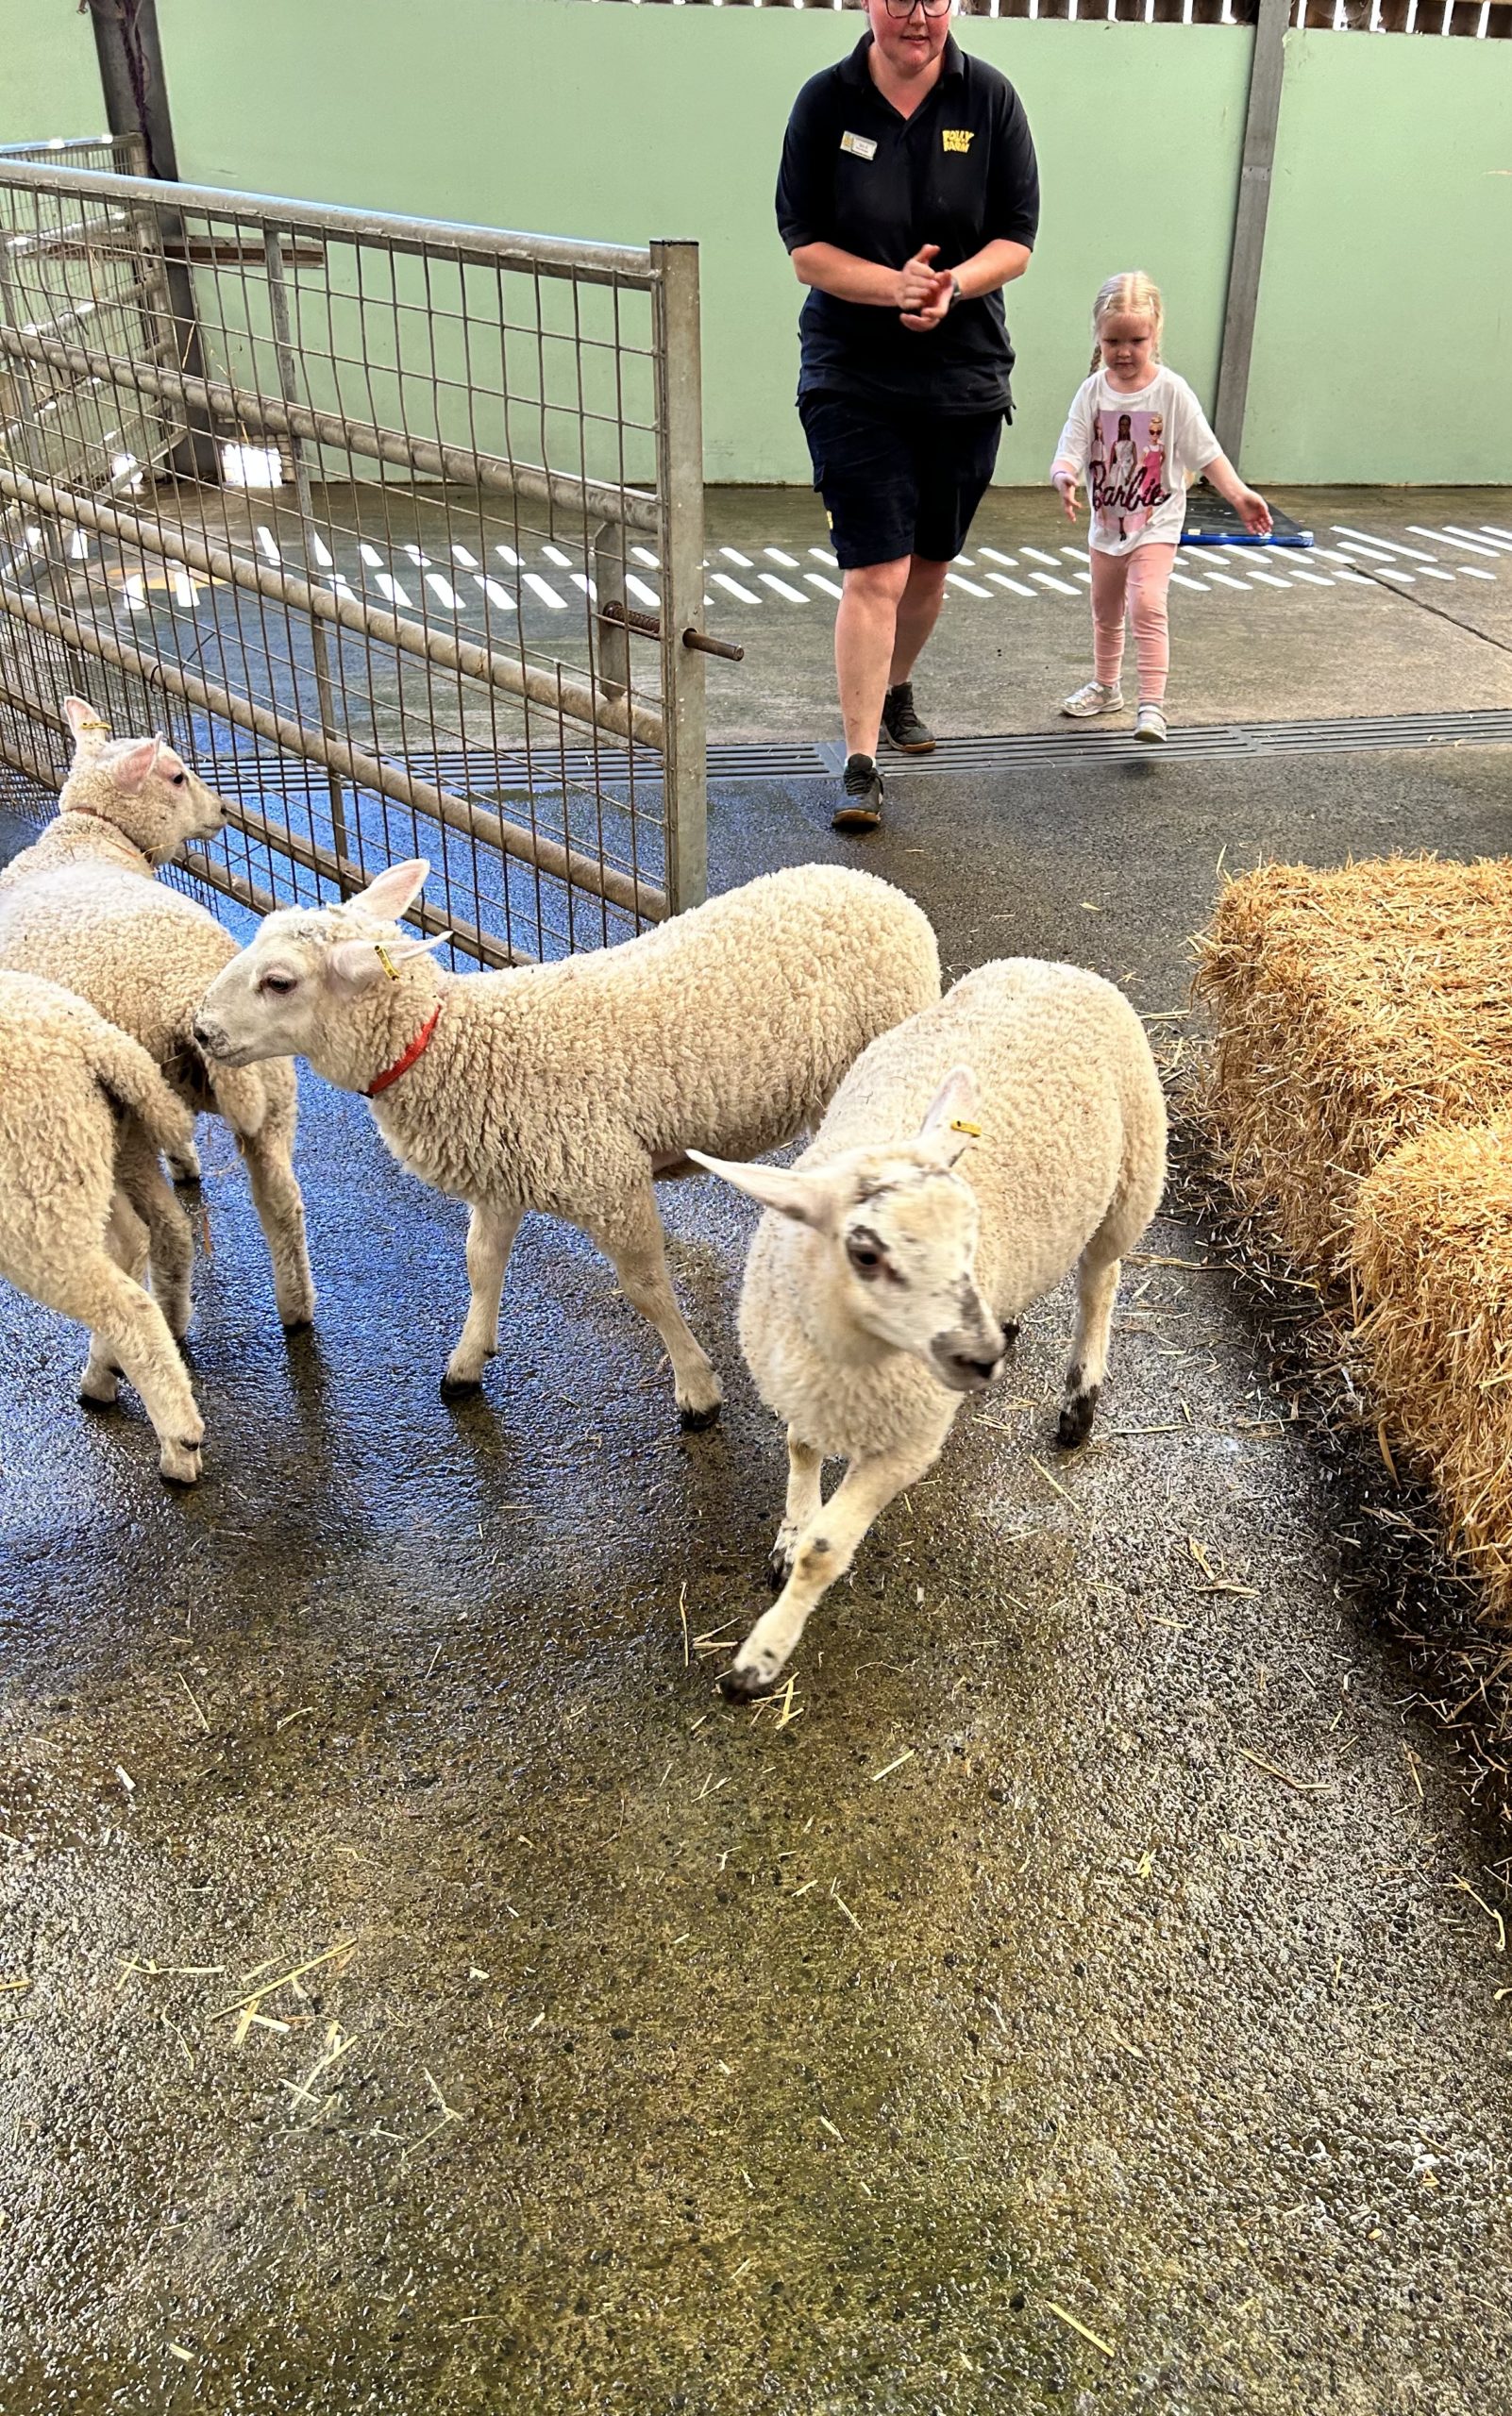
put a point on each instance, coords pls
(808, 1199)
(355, 964)
(389, 899)
(950, 1122)
(85, 723)
(128, 771)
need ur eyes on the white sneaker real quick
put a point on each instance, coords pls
(1094, 698)
(1149, 725)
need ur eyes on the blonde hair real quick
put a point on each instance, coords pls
(1132, 292)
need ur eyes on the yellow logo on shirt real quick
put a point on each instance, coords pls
(957, 137)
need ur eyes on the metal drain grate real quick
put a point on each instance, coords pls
(1219, 742)
(246, 774)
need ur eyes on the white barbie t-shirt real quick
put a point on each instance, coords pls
(1136, 453)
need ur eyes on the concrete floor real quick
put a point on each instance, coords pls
(1262, 654)
(695, 2064)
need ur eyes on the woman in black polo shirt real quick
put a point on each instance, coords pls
(908, 198)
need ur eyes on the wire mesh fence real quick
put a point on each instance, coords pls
(394, 528)
(127, 153)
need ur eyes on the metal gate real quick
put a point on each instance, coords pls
(395, 528)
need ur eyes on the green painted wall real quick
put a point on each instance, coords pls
(1383, 346)
(1383, 337)
(627, 123)
(49, 80)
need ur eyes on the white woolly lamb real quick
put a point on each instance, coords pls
(567, 1087)
(884, 1285)
(131, 802)
(80, 907)
(70, 1233)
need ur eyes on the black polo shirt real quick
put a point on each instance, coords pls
(959, 172)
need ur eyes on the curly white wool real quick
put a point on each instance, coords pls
(81, 907)
(879, 1280)
(83, 1111)
(567, 1087)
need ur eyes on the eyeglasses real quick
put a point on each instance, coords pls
(903, 9)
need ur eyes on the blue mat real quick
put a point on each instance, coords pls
(1210, 521)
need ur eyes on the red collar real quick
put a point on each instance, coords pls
(401, 1064)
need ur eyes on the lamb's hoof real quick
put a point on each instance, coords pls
(297, 1304)
(695, 1421)
(1076, 1418)
(99, 1394)
(178, 1463)
(747, 1685)
(184, 1168)
(779, 1566)
(460, 1388)
(1010, 1335)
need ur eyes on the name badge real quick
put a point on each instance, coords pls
(861, 144)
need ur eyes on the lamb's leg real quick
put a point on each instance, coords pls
(126, 1241)
(130, 1324)
(281, 1212)
(825, 1550)
(805, 1467)
(1096, 1282)
(1142, 1179)
(171, 1245)
(636, 1244)
(489, 1238)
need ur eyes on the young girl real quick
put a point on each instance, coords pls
(1138, 432)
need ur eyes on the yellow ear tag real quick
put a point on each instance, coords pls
(94, 723)
(959, 1124)
(386, 960)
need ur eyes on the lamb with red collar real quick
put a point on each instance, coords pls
(568, 1087)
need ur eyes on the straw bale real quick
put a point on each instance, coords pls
(1352, 1009)
(1433, 1252)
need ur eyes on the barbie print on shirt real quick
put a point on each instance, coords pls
(1125, 471)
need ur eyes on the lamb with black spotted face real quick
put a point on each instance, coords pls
(889, 1275)
(904, 1271)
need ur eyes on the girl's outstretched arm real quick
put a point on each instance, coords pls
(1072, 450)
(1252, 509)
(1064, 476)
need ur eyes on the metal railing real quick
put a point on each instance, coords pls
(394, 527)
(1480, 20)
(124, 154)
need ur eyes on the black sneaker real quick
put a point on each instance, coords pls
(901, 725)
(861, 800)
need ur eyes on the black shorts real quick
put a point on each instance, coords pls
(896, 484)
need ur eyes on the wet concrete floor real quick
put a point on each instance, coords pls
(1133, 2044)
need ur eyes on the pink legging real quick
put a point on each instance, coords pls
(1141, 578)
